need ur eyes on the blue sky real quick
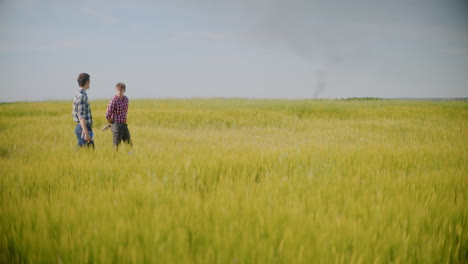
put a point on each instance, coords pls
(252, 49)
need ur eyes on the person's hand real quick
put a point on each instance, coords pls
(110, 120)
(87, 137)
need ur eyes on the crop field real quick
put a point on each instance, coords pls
(237, 181)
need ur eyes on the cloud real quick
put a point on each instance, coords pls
(202, 35)
(76, 44)
(455, 51)
(135, 6)
(70, 44)
(107, 19)
(431, 32)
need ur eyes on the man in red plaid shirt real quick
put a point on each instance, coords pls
(117, 115)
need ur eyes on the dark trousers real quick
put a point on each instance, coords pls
(120, 132)
(81, 141)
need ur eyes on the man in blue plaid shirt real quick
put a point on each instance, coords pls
(82, 113)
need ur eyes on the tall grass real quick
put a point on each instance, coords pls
(238, 181)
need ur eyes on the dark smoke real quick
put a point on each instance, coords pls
(321, 83)
(292, 25)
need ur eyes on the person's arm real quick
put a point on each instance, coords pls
(109, 114)
(87, 137)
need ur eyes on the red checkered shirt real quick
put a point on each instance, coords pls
(117, 109)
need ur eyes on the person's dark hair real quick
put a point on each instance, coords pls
(121, 85)
(83, 78)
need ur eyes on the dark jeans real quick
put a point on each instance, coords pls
(81, 141)
(120, 132)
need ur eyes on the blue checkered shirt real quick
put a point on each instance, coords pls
(81, 108)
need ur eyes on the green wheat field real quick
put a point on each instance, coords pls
(238, 181)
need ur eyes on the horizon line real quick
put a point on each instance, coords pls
(259, 98)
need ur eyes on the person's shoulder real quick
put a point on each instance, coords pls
(113, 99)
(80, 96)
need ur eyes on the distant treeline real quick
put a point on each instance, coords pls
(363, 99)
(406, 99)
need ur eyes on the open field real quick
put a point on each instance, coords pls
(238, 181)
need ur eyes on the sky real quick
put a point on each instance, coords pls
(245, 48)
